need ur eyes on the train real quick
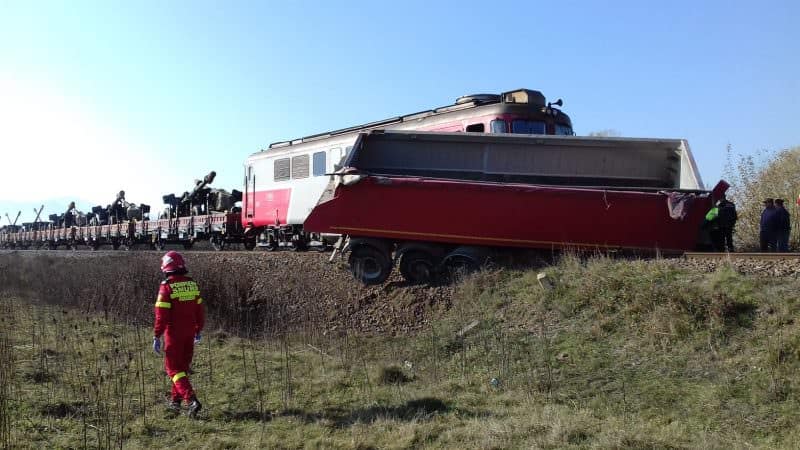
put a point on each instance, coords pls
(284, 181)
(282, 184)
(432, 191)
(203, 213)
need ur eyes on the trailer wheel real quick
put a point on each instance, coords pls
(417, 266)
(465, 260)
(462, 264)
(370, 265)
(249, 244)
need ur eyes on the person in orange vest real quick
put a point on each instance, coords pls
(179, 318)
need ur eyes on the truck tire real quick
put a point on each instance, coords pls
(460, 265)
(465, 260)
(370, 265)
(418, 266)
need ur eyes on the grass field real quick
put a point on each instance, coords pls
(617, 355)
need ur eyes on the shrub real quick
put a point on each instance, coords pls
(756, 177)
(393, 375)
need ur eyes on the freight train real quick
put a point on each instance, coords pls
(200, 214)
(430, 191)
(282, 184)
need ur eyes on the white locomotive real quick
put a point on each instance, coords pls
(284, 182)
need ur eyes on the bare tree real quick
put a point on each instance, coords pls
(608, 132)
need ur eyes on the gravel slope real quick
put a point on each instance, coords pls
(261, 292)
(252, 292)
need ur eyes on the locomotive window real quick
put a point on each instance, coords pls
(564, 130)
(319, 164)
(300, 166)
(499, 126)
(527, 127)
(282, 169)
(475, 128)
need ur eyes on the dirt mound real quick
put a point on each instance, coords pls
(245, 292)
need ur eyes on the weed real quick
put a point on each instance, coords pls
(392, 375)
(619, 354)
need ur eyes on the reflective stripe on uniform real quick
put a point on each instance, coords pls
(184, 291)
(163, 305)
(178, 376)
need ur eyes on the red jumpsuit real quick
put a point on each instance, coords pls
(180, 316)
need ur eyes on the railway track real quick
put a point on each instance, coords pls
(688, 255)
(80, 253)
(742, 256)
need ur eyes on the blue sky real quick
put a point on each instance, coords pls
(147, 96)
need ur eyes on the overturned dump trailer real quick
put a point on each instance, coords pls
(448, 200)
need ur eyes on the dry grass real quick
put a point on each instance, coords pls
(620, 354)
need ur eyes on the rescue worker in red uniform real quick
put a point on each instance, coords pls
(180, 317)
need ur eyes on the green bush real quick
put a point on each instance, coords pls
(756, 177)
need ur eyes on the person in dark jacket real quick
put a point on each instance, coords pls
(767, 226)
(782, 226)
(727, 221)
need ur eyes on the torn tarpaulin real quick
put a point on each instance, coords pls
(679, 204)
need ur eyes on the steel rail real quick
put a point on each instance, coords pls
(742, 255)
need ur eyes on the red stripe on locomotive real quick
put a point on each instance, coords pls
(269, 207)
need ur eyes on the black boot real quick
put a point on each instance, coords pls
(174, 406)
(194, 407)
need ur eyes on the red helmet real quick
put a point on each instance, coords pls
(172, 261)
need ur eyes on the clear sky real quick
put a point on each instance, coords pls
(147, 96)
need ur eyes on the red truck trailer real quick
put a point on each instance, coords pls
(431, 200)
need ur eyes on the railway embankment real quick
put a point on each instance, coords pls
(612, 354)
(263, 293)
(247, 293)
